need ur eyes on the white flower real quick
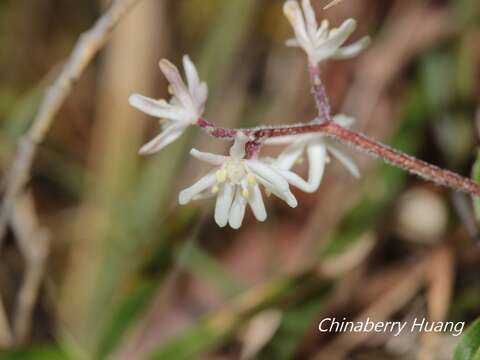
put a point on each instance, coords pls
(184, 108)
(317, 147)
(236, 182)
(320, 43)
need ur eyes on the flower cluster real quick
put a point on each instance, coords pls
(237, 180)
(184, 108)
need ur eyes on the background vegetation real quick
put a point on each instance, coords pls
(132, 275)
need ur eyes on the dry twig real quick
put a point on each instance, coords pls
(88, 45)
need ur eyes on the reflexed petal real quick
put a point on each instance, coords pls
(170, 133)
(317, 155)
(310, 18)
(336, 39)
(237, 211)
(294, 15)
(159, 109)
(268, 173)
(204, 183)
(173, 76)
(286, 196)
(352, 50)
(224, 202)
(255, 201)
(297, 181)
(289, 156)
(213, 159)
(345, 160)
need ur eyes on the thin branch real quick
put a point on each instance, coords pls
(88, 45)
(33, 243)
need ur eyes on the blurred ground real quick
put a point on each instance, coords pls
(132, 275)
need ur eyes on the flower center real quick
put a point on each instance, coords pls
(235, 171)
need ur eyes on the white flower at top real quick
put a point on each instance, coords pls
(320, 43)
(184, 108)
(317, 148)
(236, 182)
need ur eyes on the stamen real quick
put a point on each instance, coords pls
(251, 179)
(171, 90)
(300, 160)
(245, 193)
(215, 189)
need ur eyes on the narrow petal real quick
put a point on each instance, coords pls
(224, 202)
(337, 37)
(213, 159)
(286, 196)
(204, 183)
(255, 200)
(288, 157)
(237, 211)
(294, 15)
(191, 74)
(171, 133)
(159, 109)
(266, 172)
(352, 50)
(345, 160)
(312, 24)
(317, 155)
(297, 181)
(180, 90)
(292, 42)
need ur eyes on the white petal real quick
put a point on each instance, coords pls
(317, 155)
(286, 196)
(288, 157)
(170, 133)
(266, 172)
(310, 18)
(297, 181)
(337, 37)
(255, 201)
(224, 202)
(159, 109)
(180, 90)
(292, 42)
(345, 160)
(352, 50)
(204, 183)
(213, 159)
(191, 73)
(237, 211)
(200, 96)
(294, 15)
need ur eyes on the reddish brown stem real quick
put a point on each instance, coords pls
(421, 168)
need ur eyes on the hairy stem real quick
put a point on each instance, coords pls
(397, 158)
